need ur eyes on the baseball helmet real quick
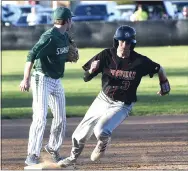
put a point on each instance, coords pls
(127, 34)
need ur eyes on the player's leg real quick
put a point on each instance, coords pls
(57, 132)
(116, 114)
(85, 129)
(40, 107)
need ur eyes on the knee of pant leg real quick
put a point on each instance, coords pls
(77, 139)
(39, 120)
(59, 122)
(102, 134)
(74, 135)
(39, 115)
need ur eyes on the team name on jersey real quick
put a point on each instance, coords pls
(127, 75)
(62, 50)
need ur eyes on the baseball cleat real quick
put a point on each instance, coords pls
(99, 150)
(69, 161)
(32, 159)
(54, 154)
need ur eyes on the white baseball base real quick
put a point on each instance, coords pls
(44, 166)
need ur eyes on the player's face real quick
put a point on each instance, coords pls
(123, 45)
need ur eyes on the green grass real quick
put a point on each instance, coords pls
(79, 95)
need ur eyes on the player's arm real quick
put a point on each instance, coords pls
(151, 68)
(162, 74)
(25, 83)
(39, 50)
(164, 83)
(89, 74)
(93, 67)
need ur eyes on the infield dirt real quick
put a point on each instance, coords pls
(139, 143)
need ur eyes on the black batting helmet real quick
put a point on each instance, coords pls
(126, 33)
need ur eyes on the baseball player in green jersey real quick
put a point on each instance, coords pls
(47, 58)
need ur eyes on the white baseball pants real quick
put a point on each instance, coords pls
(46, 91)
(103, 116)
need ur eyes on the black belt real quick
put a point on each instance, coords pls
(39, 73)
(116, 100)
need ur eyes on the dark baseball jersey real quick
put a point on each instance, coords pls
(49, 54)
(121, 76)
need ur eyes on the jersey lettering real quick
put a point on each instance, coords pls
(62, 50)
(126, 75)
(126, 85)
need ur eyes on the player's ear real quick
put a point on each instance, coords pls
(68, 20)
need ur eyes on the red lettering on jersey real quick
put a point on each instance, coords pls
(126, 74)
(134, 74)
(130, 74)
(121, 74)
(113, 72)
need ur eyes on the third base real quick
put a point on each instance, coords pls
(43, 166)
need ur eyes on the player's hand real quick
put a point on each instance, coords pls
(94, 66)
(24, 85)
(160, 93)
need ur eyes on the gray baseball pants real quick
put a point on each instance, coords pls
(103, 116)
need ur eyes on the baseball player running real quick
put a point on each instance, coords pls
(122, 69)
(48, 56)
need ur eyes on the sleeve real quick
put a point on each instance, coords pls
(87, 76)
(150, 67)
(40, 49)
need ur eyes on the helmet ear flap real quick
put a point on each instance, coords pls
(115, 43)
(132, 46)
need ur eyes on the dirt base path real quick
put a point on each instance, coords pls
(139, 143)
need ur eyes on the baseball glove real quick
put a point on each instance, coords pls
(165, 87)
(73, 54)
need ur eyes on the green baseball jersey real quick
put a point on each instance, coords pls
(50, 52)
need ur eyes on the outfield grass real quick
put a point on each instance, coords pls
(79, 95)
